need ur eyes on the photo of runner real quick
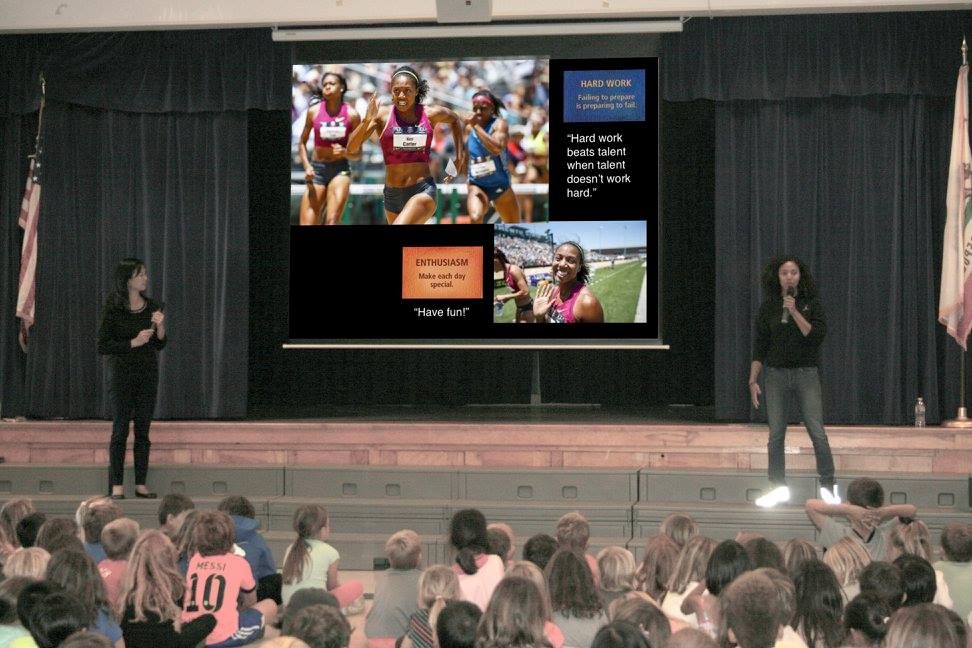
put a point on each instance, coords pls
(580, 272)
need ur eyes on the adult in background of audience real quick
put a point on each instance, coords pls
(132, 332)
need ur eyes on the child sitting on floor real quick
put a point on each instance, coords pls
(396, 591)
(311, 562)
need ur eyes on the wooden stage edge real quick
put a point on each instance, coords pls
(677, 446)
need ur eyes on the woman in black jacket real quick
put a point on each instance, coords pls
(132, 332)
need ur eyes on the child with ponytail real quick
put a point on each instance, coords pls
(311, 562)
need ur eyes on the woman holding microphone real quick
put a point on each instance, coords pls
(132, 332)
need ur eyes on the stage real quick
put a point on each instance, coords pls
(498, 437)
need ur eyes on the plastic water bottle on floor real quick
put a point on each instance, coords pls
(920, 413)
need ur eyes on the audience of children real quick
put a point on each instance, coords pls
(874, 586)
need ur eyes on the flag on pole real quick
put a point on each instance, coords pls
(955, 300)
(29, 211)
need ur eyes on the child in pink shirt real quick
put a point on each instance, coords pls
(117, 539)
(215, 580)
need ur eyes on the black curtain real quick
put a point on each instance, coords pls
(145, 154)
(831, 143)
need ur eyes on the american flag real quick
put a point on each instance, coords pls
(29, 212)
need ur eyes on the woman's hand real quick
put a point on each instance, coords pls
(754, 393)
(142, 338)
(372, 111)
(542, 301)
(309, 174)
(789, 303)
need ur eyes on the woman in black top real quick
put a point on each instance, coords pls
(132, 332)
(790, 326)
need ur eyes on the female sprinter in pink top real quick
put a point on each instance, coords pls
(327, 175)
(571, 301)
(405, 131)
(519, 287)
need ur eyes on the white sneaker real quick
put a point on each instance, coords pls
(830, 497)
(778, 495)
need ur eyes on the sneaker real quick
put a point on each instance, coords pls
(778, 495)
(830, 496)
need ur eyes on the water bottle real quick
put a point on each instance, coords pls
(920, 413)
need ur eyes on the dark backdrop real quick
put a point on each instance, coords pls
(820, 135)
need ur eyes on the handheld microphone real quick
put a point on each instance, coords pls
(785, 318)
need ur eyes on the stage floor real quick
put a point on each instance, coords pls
(512, 436)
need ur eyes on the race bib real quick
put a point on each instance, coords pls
(332, 131)
(482, 168)
(409, 141)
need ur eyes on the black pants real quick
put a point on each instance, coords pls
(134, 398)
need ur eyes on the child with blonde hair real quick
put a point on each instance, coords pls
(117, 539)
(396, 591)
(848, 557)
(688, 572)
(150, 596)
(438, 586)
(617, 568)
(912, 537)
(30, 562)
(11, 513)
(311, 562)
